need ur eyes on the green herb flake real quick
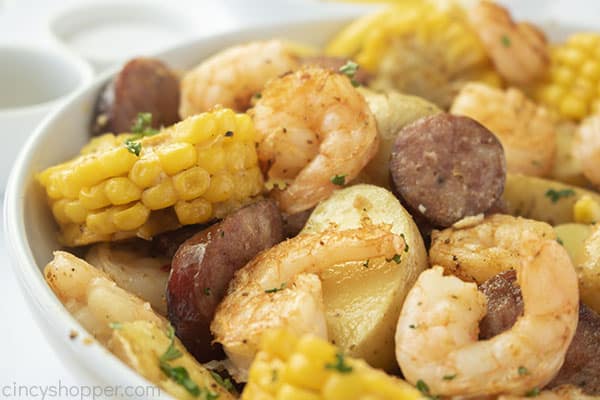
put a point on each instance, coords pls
(396, 258)
(523, 371)
(559, 240)
(143, 125)
(225, 383)
(424, 389)
(339, 365)
(181, 376)
(406, 247)
(276, 289)
(115, 325)
(207, 291)
(533, 392)
(505, 41)
(258, 96)
(449, 377)
(556, 195)
(133, 147)
(274, 375)
(412, 326)
(339, 180)
(366, 264)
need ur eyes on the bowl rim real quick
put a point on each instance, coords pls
(93, 359)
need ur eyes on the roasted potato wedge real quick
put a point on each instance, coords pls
(589, 271)
(572, 237)
(392, 111)
(363, 299)
(567, 167)
(543, 199)
(141, 344)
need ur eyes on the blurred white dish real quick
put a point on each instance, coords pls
(33, 82)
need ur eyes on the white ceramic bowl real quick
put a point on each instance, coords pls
(31, 232)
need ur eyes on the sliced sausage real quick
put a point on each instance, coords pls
(142, 85)
(167, 243)
(334, 64)
(582, 361)
(204, 264)
(294, 223)
(447, 167)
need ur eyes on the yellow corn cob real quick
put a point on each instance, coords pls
(198, 169)
(417, 47)
(572, 87)
(310, 368)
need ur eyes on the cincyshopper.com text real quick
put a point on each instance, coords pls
(79, 392)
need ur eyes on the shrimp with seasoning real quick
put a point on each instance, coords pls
(436, 336)
(230, 78)
(313, 125)
(280, 288)
(519, 50)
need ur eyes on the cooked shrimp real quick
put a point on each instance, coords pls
(527, 131)
(586, 148)
(436, 336)
(519, 51)
(280, 288)
(231, 77)
(93, 298)
(477, 253)
(563, 392)
(133, 268)
(313, 125)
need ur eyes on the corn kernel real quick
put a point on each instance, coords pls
(160, 196)
(316, 349)
(572, 57)
(583, 89)
(235, 154)
(573, 107)
(245, 128)
(116, 162)
(289, 392)
(377, 382)
(299, 371)
(221, 188)
(586, 210)
(193, 212)
(122, 190)
(212, 159)
(159, 221)
(101, 222)
(342, 387)
(591, 69)
(94, 197)
(562, 75)
(197, 129)
(176, 157)
(75, 211)
(279, 342)
(584, 41)
(551, 94)
(225, 122)
(58, 210)
(100, 143)
(191, 183)
(131, 218)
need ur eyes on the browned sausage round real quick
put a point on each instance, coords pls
(142, 85)
(334, 64)
(204, 264)
(447, 167)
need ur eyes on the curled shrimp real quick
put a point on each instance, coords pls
(436, 336)
(586, 148)
(280, 288)
(231, 77)
(313, 125)
(93, 298)
(519, 51)
(527, 131)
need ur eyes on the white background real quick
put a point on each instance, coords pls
(25, 358)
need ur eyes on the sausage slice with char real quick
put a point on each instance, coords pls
(205, 263)
(447, 167)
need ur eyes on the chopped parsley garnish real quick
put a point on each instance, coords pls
(274, 375)
(555, 195)
(226, 383)
(424, 389)
(207, 291)
(396, 258)
(229, 133)
(405, 243)
(349, 69)
(449, 377)
(133, 147)
(258, 95)
(339, 365)
(115, 325)
(179, 374)
(523, 371)
(412, 326)
(505, 41)
(559, 240)
(142, 127)
(276, 289)
(339, 180)
(533, 392)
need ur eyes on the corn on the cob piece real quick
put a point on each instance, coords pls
(310, 368)
(417, 47)
(198, 169)
(572, 86)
